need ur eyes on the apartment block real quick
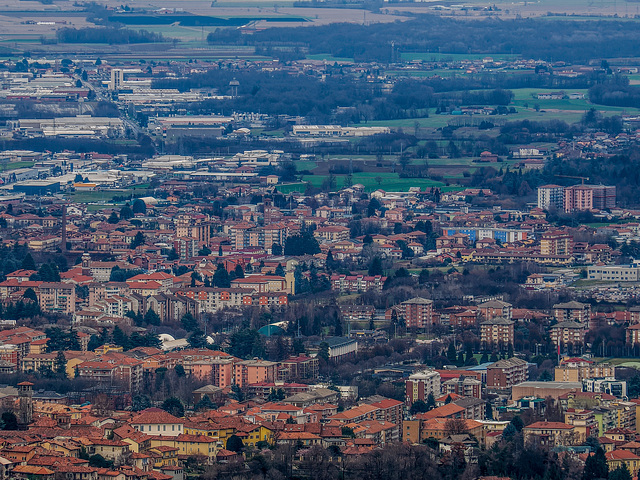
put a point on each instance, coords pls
(421, 384)
(551, 197)
(416, 312)
(57, 297)
(496, 333)
(507, 373)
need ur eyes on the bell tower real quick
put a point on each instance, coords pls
(25, 395)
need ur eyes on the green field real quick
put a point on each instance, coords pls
(15, 166)
(388, 181)
(620, 362)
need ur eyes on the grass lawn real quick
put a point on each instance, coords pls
(389, 181)
(305, 165)
(626, 362)
(524, 96)
(15, 166)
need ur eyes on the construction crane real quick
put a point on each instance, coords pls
(571, 176)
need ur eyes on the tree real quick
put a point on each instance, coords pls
(323, 351)
(30, 294)
(9, 421)
(138, 240)
(205, 403)
(431, 402)
(276, 249)
(237, 393)
(375, 267)
(234, 444)
(221, 277)
(120, 338)
(126, 212)
(113, 218)
(180, 370)
(246, 343)
(239, 271)
(197, 339)
(174, 406)
(451, 353)
(488, 411)
(60, 364)
(348, 432)
(509, 432)
(279, 271)
(301, 244)
(189, 323)
(98, 461)
(151, 317)
(455, 426)
(620, 473)
(139, 206)
(596, 467)
(140, 402)
(418, 407)
(28, 262)
(517, 423)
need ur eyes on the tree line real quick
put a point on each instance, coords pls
(566, 40)
(110, 35)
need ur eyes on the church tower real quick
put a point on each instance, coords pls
(25, 395)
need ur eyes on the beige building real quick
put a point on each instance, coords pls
(57, 297)
(550, 434)
(568, 333)
(572, 311)
(578, 369)
(496, 333)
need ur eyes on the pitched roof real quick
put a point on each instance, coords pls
(155, 416)
(549, 426)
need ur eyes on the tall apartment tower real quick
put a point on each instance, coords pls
(117, 79)
(551, 197)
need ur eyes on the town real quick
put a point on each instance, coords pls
(319, 240)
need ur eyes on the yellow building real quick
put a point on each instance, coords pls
(220, 432)
(164, 455)
(253, 434)
(189, 445)
(616, 458)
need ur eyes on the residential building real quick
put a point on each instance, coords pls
(550, 434)
(573, 311)
(254, 371)
(57, 297)
(579, 369)
(416, 312)
(507, 373)
(496, 333)
(569, 333)
(154, 421)
(551, 197)
(556, 243)
(421, 384)
(494, 309)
